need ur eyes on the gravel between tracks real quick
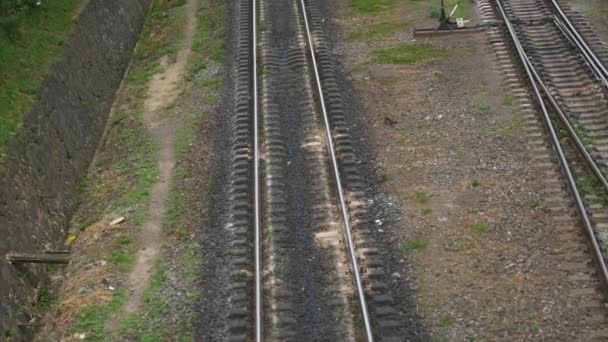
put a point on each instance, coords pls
(463, 198)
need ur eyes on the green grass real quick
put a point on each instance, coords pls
(590, 188)
(376, 31)
(479, 104)
(414, 245)
(371, 6)
(510, 127)
(421, 197)
(463, 10)
(409, 54)
(480, 227)
(427, 211)
(121, 259)
(238, 277)
(536, 202)
(460, 152)
(91, 320)
(507, 100)
(447, 320)
(582, 135)
(140, 326)
(34, 41)
(475, 183)
(208, 44)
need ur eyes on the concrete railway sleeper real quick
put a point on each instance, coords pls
(304, 265)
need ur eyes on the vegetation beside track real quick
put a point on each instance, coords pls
(31, 38)
(119, 185)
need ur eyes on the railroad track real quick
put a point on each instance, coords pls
(562, 62)
(304, 264)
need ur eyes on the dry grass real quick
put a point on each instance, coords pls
(71, 307)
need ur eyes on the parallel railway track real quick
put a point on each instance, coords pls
(562, 62)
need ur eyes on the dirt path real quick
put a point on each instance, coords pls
(162, 92)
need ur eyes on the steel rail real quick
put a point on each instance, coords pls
(581, 44)
(259, 309)
(566, 122)
(336, 171)
(556, 143)
(564, 30)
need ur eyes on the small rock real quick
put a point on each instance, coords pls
(396, 275)
(378, 222)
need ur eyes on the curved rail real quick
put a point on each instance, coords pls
(535, 82)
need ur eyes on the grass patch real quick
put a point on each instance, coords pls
(30, 41)
(460, 152)
(463, 10)
(475, 183)
(582, 135)
(208, 44)
(414, 245)
(427, 211)
(509, 127)
(447, 320)
(421, 197)
(371, 6)
(480, 228)
(238, 277)
(139, 326)
(121, 260)
(507, 100)
(479, 104)
(91, 320)
(409, 54)
(373, 32)
(536, 202)
(590, 188)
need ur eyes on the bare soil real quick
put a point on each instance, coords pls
(163, 90)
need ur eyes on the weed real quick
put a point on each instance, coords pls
(121, 260)
(371, 6)
(480, 228)
(536, 202)
(475, 183)
(427, 211)
(413, 245)
(376, 31)
(421, 197)
(582, 135)
(589, 188)
(460, 152)
(43, 301)
(361, 68)
(409, 54)
(384, 178)
(238, 278)
(91, 320)
(507, 100)
(447, 320)
(124, 240)
(479, 104)
(508, 127)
